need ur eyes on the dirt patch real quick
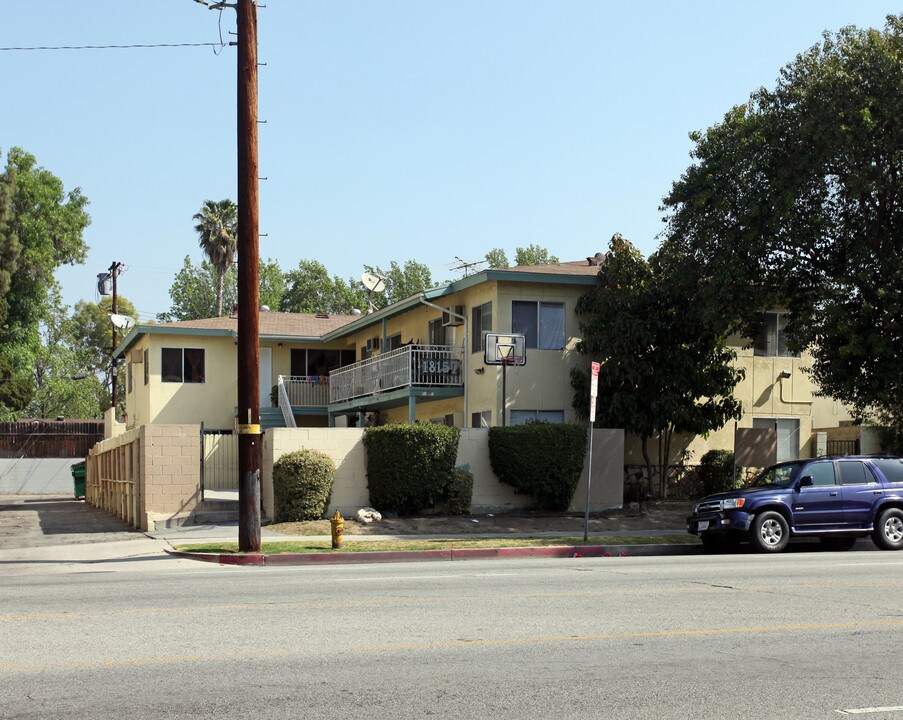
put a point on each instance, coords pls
(669, 516)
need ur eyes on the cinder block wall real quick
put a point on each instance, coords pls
(170, 472)
(346, 448)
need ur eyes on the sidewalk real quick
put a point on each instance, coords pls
(63, 531)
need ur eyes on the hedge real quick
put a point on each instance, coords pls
(715, 470)
(540, 459)
(409, 467)
(302, 483)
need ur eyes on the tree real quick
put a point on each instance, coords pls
(217, 229)
(401, 281)
(193, 292)
(309, 289)
(795, 200)
(89, 333)
(496, 258)
(533, 255)
(665, 370)
(41, 228)
(272, 283)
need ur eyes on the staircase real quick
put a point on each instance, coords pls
(271, 418)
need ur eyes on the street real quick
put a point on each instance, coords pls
(801, 635)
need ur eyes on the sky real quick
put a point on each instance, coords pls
(395, 130)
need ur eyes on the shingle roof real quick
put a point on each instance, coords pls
(273, 323)
(576, 267)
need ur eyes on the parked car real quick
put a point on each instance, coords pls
(834, 499)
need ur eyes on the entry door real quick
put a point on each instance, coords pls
(266, 375)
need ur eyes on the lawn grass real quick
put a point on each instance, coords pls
(352, 546)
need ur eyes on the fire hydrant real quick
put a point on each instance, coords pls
(338, 528)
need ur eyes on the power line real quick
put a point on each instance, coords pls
(114, 47)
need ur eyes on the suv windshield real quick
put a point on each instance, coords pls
(777, 475)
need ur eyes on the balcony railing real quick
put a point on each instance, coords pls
(420, 365)
(305, 390)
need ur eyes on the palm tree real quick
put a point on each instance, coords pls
(217, 228)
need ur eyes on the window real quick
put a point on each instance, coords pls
(822, 473)
(480, 322)
(183, 365)
(853, 472)
(772, 339)
(891, 469)
(394, 342)
(130, 377)
(481, 419)
(146, 369)
(522, 417)
(541, 323)
(318, 362)
(436, 334)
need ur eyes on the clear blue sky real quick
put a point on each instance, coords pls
(394, 130)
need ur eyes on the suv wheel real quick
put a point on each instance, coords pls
(769, 532)
(888, 532)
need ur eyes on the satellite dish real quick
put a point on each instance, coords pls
(373, 283)
(122, 322)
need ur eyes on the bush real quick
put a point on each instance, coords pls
(540, 459)
(459, 492)
(409, 467)
(302, 482)
(715, 471)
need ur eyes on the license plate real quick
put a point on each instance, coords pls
(703, 525)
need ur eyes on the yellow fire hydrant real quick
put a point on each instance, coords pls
(338, 529)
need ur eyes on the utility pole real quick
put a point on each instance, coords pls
(248, 288)
(114, 370)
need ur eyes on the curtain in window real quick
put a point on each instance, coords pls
(551, 326)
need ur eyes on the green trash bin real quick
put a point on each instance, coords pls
(78, 478)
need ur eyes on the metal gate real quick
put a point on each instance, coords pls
(219, 461)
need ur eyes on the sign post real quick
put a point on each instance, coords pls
(593, 392)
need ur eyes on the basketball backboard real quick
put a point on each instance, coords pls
(505, 349)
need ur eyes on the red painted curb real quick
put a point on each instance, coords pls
(562, 551)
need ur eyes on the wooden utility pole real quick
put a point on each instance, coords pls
(248, 292)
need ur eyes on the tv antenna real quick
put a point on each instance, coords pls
(373, 284)
(466, 266)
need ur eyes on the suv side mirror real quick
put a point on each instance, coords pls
(805, 481)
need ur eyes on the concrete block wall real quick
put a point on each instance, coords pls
(170, 472)
(349, 494)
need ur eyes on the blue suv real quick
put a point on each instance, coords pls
(834, 499)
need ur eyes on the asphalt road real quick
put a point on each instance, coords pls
(802, 635)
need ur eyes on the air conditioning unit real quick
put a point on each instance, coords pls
(372, 344)
(449, 320)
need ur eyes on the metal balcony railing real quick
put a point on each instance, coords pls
(304, 390)
(411, 365)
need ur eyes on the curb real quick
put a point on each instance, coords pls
(561, 551)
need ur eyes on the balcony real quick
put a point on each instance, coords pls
(306, 390)
(421, 366)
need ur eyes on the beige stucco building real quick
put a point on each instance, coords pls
(422, 358)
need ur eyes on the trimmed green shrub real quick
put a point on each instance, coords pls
(540, 459)
(302, 482)
(715, 470)
(459, 492)
(409, 467)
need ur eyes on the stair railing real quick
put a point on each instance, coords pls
(285, 405)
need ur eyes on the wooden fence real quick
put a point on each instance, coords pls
(49, 438)
(111, 477)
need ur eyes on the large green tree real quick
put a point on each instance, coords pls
(193, 292)
(665, 370)
(533, 255)
(217, 229)
(402, 281)
(795, 200)
(41, 228)
(89, 333)
(310, 289)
